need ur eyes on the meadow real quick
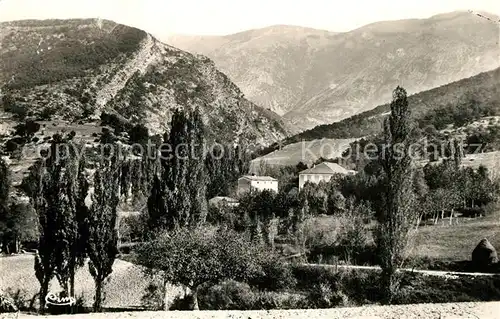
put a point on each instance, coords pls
(124, 289)
(436, 246)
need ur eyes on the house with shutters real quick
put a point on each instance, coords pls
(322, 173)
(259, 183)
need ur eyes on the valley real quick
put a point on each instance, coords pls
(277, 168)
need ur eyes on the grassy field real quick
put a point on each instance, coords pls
(124, 289)
(456, 242)
(306, 152)
(433, 247)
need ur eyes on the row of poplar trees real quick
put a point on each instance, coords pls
(174, 186)
(70, 231)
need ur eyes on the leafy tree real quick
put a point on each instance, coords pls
(317, 197)
(193, 257)
(398, 215)
(259, 209)
(102, 234)
(18, 224)
(335, 202)
(139, 134)
(353, 238)
(420, 190)
(27, 129)
(442, 200)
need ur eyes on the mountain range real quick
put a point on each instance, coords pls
(75, 70)
(314, 77)
(439, 105)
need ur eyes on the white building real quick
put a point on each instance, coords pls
(248, 183)
(322, 173)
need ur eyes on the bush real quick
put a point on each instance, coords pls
(276, 275)
(229, 295)
(139, 134)
(269, 300)
(232, 295)
(153, 298)
(182, 303)
(416, 288)
(11, 146)
(362, 287)
(324, 296)
(18, 298)
(472, 212)
(310, 276)
(7, 304)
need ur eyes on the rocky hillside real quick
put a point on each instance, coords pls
(76, 69)
(455, 104)
(314, 77)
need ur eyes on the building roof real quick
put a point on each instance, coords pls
(259, 178)
(326, 168)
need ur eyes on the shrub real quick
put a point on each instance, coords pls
(269, 300)
(275, 275)
(7, 304)
(324, 296)
(232, 295)
(229, 295)
(309, 276)
(139, 134)
(182, 303)
(471, 212)
(18, 298)
(11, 146)
(362, 287)
(27, 129)
(417, 288)
(153, 298)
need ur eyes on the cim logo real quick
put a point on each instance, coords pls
(52, 299)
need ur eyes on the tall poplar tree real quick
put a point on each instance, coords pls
(397, 216)
(102, 233)
(4, 202)
(178, 194)
(58, 190)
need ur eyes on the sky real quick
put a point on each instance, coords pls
(221, 17)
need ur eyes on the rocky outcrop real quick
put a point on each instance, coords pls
(76, 69)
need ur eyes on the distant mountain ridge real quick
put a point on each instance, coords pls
(314, 77)
(482, 90)
(76, 69)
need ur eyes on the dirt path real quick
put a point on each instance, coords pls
(425, 311)
(437, 273)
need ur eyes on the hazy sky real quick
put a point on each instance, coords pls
(163, 17)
